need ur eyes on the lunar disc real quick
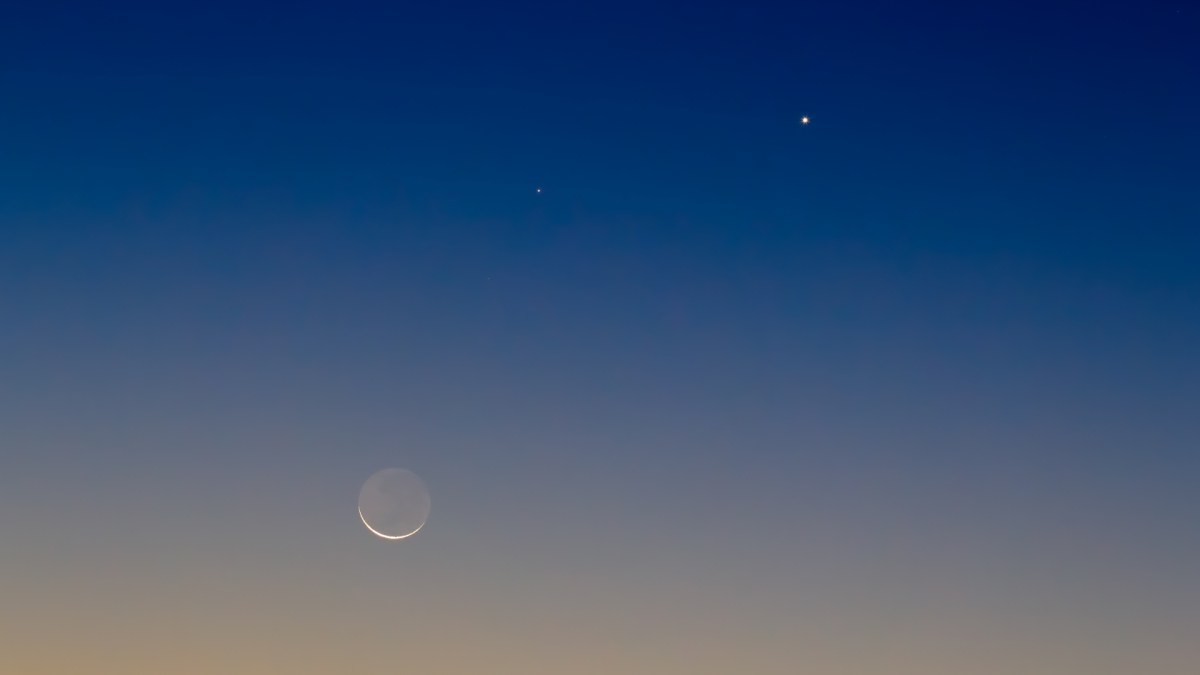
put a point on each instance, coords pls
(393, 503)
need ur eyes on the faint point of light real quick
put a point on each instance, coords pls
(539, 190)
(387, 536)
(804, 120)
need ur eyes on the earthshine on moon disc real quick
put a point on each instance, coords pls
(393, 503)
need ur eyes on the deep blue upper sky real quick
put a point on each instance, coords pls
(1058, 133)
(1021, 163)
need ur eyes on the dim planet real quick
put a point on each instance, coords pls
(393, 503)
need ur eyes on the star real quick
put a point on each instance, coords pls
(804, 120)
(539, 191)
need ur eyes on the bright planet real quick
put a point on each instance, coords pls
(394, 503)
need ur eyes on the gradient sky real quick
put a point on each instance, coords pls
(914, 388)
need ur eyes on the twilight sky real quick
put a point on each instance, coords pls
(914, 388)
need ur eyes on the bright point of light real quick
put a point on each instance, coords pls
(804, 120)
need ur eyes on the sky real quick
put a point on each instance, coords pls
(694, 388)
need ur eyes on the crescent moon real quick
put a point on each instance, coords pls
(393, 504)
(377, 533)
